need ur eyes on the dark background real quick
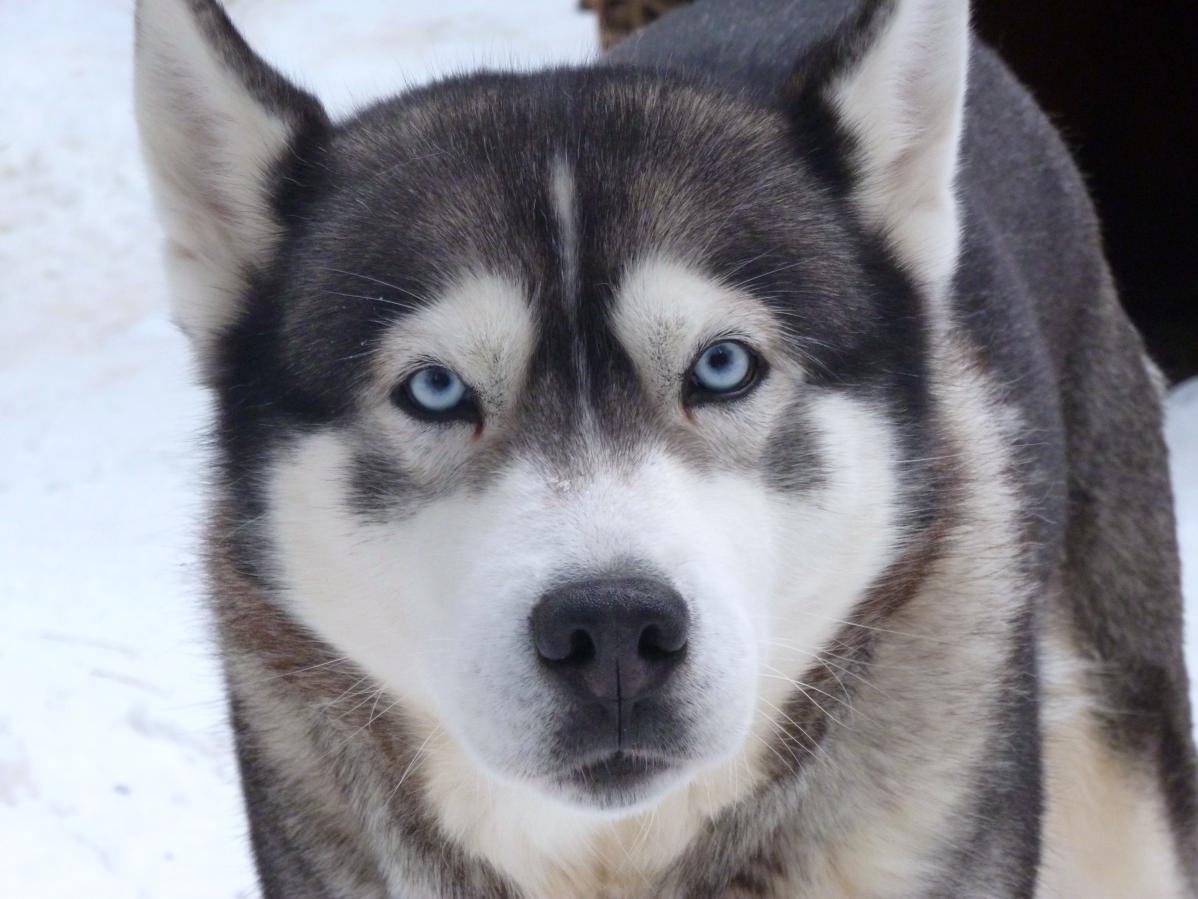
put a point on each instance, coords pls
(1120, 79)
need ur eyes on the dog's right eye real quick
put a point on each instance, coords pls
(725, 370)
(436, 393)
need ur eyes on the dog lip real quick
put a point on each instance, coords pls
(621, 767)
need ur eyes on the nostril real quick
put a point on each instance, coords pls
(564, 645)
(658, 644)
(582, 649)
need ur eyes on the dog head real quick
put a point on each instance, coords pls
(568, 405)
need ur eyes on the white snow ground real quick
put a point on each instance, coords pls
(116, 779)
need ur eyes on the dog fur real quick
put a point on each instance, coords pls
(927, 558)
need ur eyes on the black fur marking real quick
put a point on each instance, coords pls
(381, 490)
(793, 461)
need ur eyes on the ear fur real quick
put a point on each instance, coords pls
(894, 75)
(216, 124)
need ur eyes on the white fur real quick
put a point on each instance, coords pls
(435, 605)
(482, 328)
(667, 312)
(905, 103)
(208, 144)
(1106, 830)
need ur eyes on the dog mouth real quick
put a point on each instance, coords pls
(617, 779)
(622, 767)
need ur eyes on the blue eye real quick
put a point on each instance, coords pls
(435, 392)
(723, 369)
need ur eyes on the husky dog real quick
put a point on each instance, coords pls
(721, 471)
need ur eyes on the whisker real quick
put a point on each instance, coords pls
(815, 746)
(378, 281)
(763, 275)
(871, 627)
(297, 671)
(795, 762)
(386, 301)
(346, 692)
(823, 657)
(804, 687)
(363, 727)
(366, 697)
(412, 764)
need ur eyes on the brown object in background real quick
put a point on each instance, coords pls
(619, 18)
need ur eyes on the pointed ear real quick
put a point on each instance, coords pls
(893, 74)
(218, 126)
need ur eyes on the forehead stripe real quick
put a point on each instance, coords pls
(562, 190)
(561, 193)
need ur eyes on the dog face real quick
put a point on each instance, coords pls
(566, 405)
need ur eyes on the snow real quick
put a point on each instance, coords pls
(1182, 432)
(116, 776)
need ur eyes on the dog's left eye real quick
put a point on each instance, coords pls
(724, 370)
(435, 393)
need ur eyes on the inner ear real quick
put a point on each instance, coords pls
(220, 129)
(893, 76)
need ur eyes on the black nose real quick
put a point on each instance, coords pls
(611, 638)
